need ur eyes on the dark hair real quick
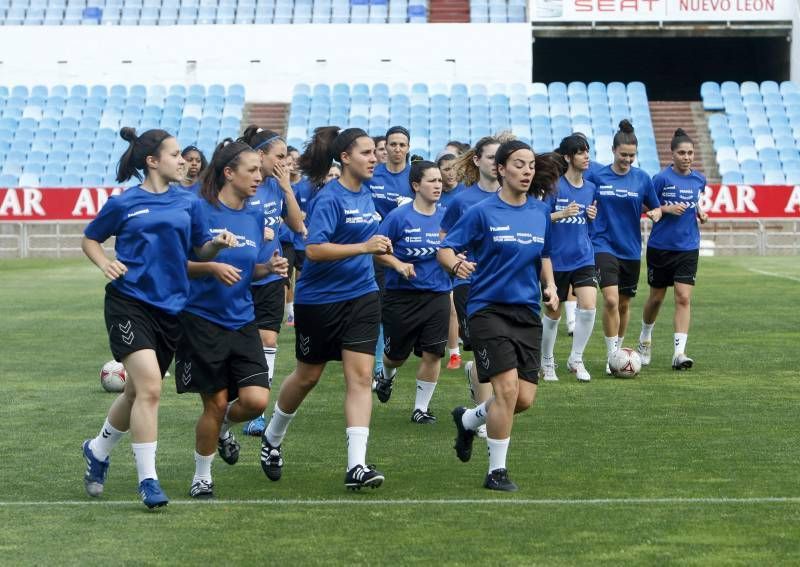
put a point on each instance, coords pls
(227, 154)
(378, 139)
(625, 135)
(466, 170)
(398, 130)
(258, 138)
(461, 146)
(443, 158)
(203, 162)
(419, 166)
(547, 167)
(132, 162)
(326, 145)
(290, 149)
(680, 137)
(569, 146)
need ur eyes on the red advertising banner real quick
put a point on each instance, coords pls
(719, 201)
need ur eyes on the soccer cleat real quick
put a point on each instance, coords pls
(420, 416)
(360, 476)
(481, 431)
(290, 321)
(151, 493)
(228, 449)
(455, 362)
(468, 374)
(383, 385)
(271, 459)
(202, 489)
(547, 371)
(464, 436)
(645, 351)
(579, 370)
(96, 471)
(255, 427)
(681, 362)
(498, 480)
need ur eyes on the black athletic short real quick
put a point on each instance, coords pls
(135, 325)
(211, 358)
(291, 255)
(323, 330)
(506, 337)
(665, 267)
(460, 296)
(614, 271)
(585, 276)
(415, 320)
(380, 275)
(269, 301)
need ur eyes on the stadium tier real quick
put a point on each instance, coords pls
(61, 136)
(757, 134)
(538, 113)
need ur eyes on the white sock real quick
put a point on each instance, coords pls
(145, 456)
(276, 430)
(106, 440)
(424, 394)
(584, 323)
(647, 332)
(270, 354)
(497, 452)
(290, 309)
(619, 342)
(475, 417)
(611, 345)
(202, 466)
(680, 343)
(456, 351)
(224, 429)
(570, 308)
(549, 331)
(357, 446)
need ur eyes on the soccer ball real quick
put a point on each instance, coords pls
(625, 363)
(112, 376)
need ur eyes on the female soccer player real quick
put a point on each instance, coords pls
(275, 197)
(416, 304)
(616, 233)
(572, 256)
(509, 237)
(219, 354)
(477, 170)
(380, 148)
(156, 225)
(337, 309)
(195, 164)
(674, 247)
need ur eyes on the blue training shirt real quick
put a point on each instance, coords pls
(269, 200)
(387, 187)
(673, 232)
(229, 306)
(508, 243)
(571, 246)
(469, 197)
(448, 196)
(415, 238)
(617, 228)
(303, 192)
(339, 216)
(155, 232)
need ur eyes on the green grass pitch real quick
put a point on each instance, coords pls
(697, 468)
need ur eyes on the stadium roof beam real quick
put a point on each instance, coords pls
(662, 29)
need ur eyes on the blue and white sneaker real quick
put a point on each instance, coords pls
(96, 471)
(151, 493)
(255, 427)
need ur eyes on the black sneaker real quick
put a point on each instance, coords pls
(464, 436)
(202, 490)
(271, 459)
(228, 449)
(498, 480)
(359, 477)
(420, 416)
(383, 385)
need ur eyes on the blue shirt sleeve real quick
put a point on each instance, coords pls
(200, 232)
(107, 222)
(323, 222)
(465, 233)
(547, 232)
(650, 197)
(388, 227)
(451, 216)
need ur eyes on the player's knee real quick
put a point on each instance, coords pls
(524, 402)
(506, 392)
(255, 403)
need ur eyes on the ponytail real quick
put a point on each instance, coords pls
(134, 160)
(466, 170)
(547, 167)
(326, 145)
(227, 154)
(625, 135)
(259, 138)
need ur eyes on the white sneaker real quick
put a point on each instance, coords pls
(579, 370)
(481, 431)
(681, 362)
(547, 371)
(645, 351)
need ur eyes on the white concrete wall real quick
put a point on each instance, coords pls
(267, 59)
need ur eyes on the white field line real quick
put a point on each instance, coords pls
(421, 502)
(774, 275)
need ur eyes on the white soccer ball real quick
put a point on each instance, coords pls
(112, 376)
(625, 363)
